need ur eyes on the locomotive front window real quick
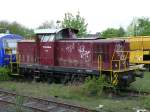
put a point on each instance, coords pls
(46, 38)
(11, 43)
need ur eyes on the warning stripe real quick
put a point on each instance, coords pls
(115, 79)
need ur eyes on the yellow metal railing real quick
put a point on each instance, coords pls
(119, 60)
(115, 58)
(17, 61)
(10, 59)
(100, 65)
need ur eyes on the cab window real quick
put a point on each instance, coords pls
(46, 37)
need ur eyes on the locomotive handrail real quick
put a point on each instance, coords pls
(119, 60)
(113, 77)
(100, 64)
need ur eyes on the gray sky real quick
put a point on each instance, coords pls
(99, 14)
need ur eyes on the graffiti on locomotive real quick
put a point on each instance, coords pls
(118, 49)
(70, 48)
(84, 54)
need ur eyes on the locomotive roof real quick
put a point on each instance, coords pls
(97, 40)
(46, 31)
(52, 31)
(27, 40)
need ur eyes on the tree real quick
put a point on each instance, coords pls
(3, 26)
(121, 32)
(76, 22)
(112, 32)
(16, 28)
(20, 29)
(139, 26)
(47, 24)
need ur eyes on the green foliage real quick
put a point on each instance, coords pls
(121, 32)
(4, 74)
(94, 86)
(76, 22)
(16, 28)
(19, 103)
(112, 32)
(139, 27)
(141, 84)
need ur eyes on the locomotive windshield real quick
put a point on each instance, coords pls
(46, 37)
(11, 43)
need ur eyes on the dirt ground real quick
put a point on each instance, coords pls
(10, 108)
(5, 107)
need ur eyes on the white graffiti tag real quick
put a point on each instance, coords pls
(70, 48)
(118, 49)
(84, 54)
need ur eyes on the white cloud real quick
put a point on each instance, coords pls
(99, 14)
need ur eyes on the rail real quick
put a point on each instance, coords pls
(40, 104)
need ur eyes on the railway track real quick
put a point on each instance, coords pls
(40, 104)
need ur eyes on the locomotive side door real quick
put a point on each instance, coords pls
(46, 50)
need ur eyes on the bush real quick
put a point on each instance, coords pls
(4, 74)
(94, 86)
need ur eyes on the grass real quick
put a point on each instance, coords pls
(73, 94)
(19, 102)
(142, 84)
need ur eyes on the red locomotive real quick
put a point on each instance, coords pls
(60, 55)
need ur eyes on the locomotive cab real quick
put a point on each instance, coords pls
(47, 35)
(46, 40)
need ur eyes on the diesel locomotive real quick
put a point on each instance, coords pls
(57, 54)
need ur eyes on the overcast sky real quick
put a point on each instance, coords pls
(99, 14)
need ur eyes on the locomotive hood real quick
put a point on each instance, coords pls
(67, 33)
(70, 29)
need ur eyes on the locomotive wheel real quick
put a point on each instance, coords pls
(64, 79)
(28, 77)
(77, 79)
(50, 80)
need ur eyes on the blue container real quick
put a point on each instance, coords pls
(8, 41)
